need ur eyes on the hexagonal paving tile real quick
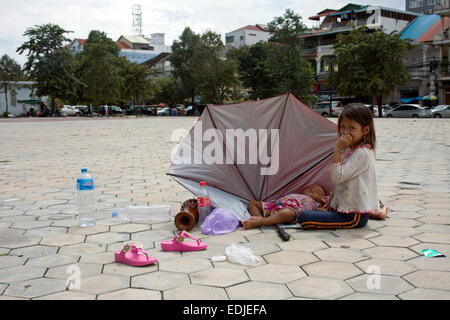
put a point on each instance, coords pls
(394, 241)
(88, 230)
(349, 243)
(369, 296)
(437, 264)
(379, 284)
(130, 227)
(332, 269)
(126, 270)
(101, 258)
(184, 265)
(321, 235)
(131, 294)
(428, 279)
(10, 261)
(82, 249)
(425, 294)
(45, 231)
(341, 255)
(35, 288)
(103, 283)
(160, 280)
(219, 277)
(387, 267)
(276, 273)
(390, 253)
(12, 239)
(433, 237)
(68, 295)
(261, 248)
(34, 251)
(293, 258)
(195, 292)
(441, 247)
(51, 261)
(319, 288)
(108, 237)
(362, 233)
(398, 231)
(256, 290)
(63, 272)
(303, 245)
(21, 273)
(62, 240)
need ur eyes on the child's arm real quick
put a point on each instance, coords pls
(356, 164)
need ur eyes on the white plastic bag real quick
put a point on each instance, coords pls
(242, 255)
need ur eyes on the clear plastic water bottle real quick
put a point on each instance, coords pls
(149, 214)
(204, 203)
(86, 199)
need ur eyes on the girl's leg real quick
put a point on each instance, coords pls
(331, 220)
(283, 216)
(255, 208)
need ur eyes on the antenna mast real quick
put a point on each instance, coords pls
(137, 20)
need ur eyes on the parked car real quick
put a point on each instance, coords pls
(328, 109)
(189, 111)
(441, 111)
(70, 111)
(149, 110)
(164, 111)
(111, 110)
(83, 109)
(374, 109)
(409, 111)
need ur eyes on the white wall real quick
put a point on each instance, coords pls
(247, 37)
(23, 93)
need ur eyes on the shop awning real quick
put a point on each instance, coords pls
(29, 101)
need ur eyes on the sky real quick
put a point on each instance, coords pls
(170, 17)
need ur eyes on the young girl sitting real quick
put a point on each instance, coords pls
(284, 210)
(353, 174)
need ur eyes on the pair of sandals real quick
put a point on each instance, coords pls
(134, 255)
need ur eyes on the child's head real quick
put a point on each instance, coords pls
(357, 121)
(316, 192)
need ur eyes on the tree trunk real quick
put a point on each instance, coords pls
(5, 87)
(380, 109)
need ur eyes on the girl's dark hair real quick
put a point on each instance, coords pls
(361, 114)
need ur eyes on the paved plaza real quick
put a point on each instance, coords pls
(42, 246)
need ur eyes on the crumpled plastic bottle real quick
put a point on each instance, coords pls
(240, 255)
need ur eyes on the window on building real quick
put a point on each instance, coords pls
(433, 2)
(229, 39)
(252, 34)
(416, 4)
(13, 99)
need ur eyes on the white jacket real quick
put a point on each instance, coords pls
(355, 182)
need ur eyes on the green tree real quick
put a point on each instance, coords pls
(270, 69)
(136, 84)
(49, 63)
(214, 77)
(182, 60)
(10, 72)
(287, 29)
(100, 70)
(167, 89)
(371, 63)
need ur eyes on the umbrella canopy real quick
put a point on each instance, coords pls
(430, 97)
(260, 150)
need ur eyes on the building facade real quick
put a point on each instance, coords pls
(318, 43)
(19, 97)
(421, 6)
(247, 36)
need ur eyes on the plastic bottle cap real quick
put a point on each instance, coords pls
(114, 214)
(83, 170)
(202, 184)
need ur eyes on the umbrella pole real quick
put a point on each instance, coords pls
(283, 234)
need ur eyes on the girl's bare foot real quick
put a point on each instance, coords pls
(252, 223)
(382, 215)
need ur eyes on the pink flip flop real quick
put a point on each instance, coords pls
(178, 243)
(134, 255)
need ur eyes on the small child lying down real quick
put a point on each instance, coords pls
(284, 210)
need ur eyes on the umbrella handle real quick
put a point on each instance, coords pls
(283, 234)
